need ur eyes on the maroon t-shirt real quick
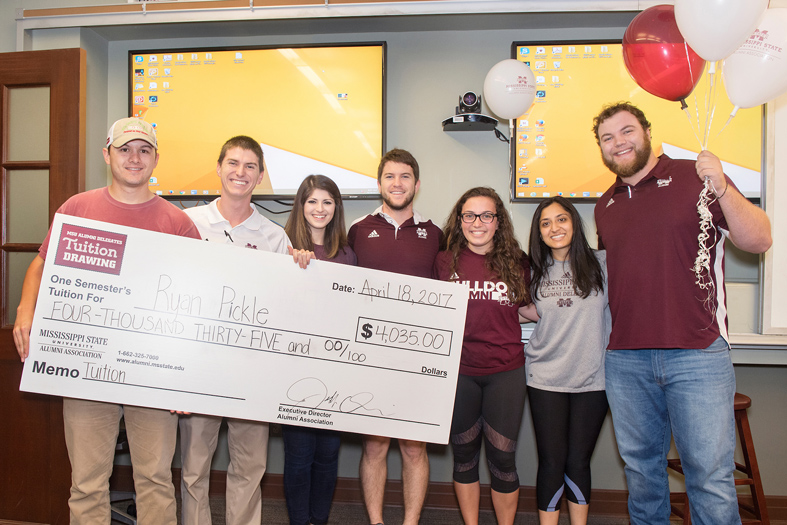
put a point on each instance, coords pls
(155, 215)
(345, 256)
(410, 250)
(493, 336)
(650, 233)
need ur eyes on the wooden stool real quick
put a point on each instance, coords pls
(750, 468)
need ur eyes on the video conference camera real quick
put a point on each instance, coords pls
(469, 103)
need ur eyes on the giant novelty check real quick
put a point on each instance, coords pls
(142, 318)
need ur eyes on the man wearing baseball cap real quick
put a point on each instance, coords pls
(91, 428)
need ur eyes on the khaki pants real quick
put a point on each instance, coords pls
(91, 430)
(248, 447)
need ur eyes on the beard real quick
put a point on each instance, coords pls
(398, 207)
(642, 155)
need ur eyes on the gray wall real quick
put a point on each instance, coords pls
(430, 62)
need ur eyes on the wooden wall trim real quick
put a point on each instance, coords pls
(612, 503)
(187, 6)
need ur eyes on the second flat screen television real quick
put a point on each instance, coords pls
(554, 149)
(314, 110)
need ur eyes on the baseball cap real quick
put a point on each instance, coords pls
(128, 129)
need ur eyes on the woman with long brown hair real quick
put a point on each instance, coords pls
(481, 250)
(311, 456)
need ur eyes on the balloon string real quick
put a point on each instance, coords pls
(725, 124)
(710, 118)
(707, 107)
(729, 119)
(691, 124)
(710, 104)
(511, 145)
(701, 266)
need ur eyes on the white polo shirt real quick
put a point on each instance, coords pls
(256, 232)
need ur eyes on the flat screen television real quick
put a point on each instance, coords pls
(554, 150)
(317, 109)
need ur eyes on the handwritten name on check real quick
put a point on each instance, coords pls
(142, 318)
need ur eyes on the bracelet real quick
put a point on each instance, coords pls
(724, 192)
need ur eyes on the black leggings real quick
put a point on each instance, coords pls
(567, 427)
(494, 404)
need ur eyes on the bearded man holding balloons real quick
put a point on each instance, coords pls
(663, 223)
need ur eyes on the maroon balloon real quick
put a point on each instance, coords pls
(658, 58)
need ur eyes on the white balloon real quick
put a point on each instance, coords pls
(509, 88)
(716, 28)
(757, 71)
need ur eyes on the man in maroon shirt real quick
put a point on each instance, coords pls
(668, 371)
(395, 238)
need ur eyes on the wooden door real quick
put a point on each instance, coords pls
(42, 163)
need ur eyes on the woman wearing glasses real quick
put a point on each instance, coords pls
(565, 357)
(481, 250)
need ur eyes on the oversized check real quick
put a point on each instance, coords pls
(142, 318)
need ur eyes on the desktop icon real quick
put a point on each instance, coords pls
(153, 99)
(541, 50)
(153, 72)
(153, 58)
(539, 180)
(524, 51)
(180, 58)
(541, 93)
(539, 80)
(139, 59)
(139, 99)
(153, 85)
(167, 58)
(556, 64)
(557, 49)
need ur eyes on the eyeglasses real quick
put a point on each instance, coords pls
(485, 217)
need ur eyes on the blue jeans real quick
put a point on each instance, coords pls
(311, 464)
(686, 393)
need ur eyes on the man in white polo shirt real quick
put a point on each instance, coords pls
(230, 219)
